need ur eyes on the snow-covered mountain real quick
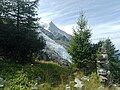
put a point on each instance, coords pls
(57, 32)
(53, 37)
(52, 29)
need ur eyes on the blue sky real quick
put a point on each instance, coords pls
(103, 16)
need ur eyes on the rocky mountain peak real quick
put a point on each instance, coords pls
(53, 28)
(57, 41)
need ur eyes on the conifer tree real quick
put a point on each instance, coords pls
(81, 48)
(19, 39)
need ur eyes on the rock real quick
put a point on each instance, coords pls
(1, 85)
(118, 88)
(102, 71)
(2, 82)
(108, 72)
(37, 86)
(102, 78)
(104, 56)
(103, 66)
(41, 85)
(1, 79)
(85, 78)
(68, 87)
(78, 84)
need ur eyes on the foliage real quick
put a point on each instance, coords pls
(93, 83)
(20, 77)
(53, 77)
(90, 82)
(19, 40)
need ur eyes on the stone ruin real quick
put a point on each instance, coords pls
(103, 66)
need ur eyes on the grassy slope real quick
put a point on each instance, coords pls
(55, 77)
(20, 77)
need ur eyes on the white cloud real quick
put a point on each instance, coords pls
(104, 28)
(107, 30)
(104, 18)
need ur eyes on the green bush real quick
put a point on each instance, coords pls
(20, 77)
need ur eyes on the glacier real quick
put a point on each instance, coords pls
(59, 49)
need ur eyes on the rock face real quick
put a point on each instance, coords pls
(53, 32)
(54, 50)
(59, 34)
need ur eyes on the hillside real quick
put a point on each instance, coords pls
(43, 75)
(18, 77)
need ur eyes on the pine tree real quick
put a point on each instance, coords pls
(18, 36)
(80, 47)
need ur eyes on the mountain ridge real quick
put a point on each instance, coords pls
(52, 31)
(54, 49)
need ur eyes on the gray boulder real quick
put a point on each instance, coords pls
(79, 85)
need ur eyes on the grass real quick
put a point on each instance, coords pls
(20, 77)
(54, 77)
